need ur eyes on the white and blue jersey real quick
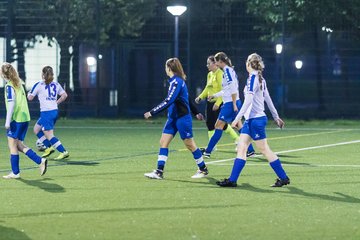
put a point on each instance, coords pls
(253, 109)
(230, 85)
(47, 95)
(177, 103)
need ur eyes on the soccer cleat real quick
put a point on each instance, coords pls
(62, 155)
(281, 182)
(12, 176)
(48, 152)
(201, 173)
(204, 153)
(156, 174)
(226, 183)
(250, 154)
(43, 166)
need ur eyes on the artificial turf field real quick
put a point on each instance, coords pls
(101, 193)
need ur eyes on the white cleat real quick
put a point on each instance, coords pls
(200, 173)
(12, 176)
(43, 166)
(154, 175)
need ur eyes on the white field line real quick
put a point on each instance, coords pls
(293, 165)
(294, 150)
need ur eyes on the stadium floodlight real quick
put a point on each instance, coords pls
(176, 11)
(326, 29)
(298, 64)
(278, 48)
(91, 61)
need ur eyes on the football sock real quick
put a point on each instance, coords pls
(237, 168)
(14, 160)
(214, 140)
(229, 130)
(33, 156)
(43, 139)
(278, 169)
(162, 157)
(251, 148)
(199, 159)
(57, 144)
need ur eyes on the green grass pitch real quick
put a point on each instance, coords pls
(101, 191)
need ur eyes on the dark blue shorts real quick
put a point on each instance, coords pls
(48, 119)
(182, 125)
(255, 128)
(227, 113)
(18, 130)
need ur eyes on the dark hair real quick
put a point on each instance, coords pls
(175, 66)
(221, 56)
(211, 58)
(48, 74)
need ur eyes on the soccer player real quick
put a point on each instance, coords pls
(213, 85)
(232, 103)
(47, 91)
(179, 120)
(256, 93)
(17, 122)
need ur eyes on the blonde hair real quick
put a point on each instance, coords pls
(255, 61)
(48, 74)
(175, 66)
(9, 73)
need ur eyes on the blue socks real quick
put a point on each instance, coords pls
(57, 144)
(42, 138)
(237, 168)
(250, 148)
(14, 160)
(162, 157)
(33, 156)
(214, 140)
(199, 159)
(278, 169)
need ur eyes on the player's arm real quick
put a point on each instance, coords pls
(62, 97)
(33, 92)
(11, 100)
(279, 122)
(173, 93)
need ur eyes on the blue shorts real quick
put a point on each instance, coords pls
(48, 119)
(17, 130)
(227, 113)
(255, 128)
(183, 125)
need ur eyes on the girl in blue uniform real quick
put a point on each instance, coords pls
(179, 120)
(256, 94)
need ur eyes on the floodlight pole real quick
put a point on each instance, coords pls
(176, 37)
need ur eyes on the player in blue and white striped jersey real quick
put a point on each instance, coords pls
(256, 94)
(179, 120)
(232, 103)
(48, 91)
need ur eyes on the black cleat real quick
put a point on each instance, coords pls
(281, 182)
(226, 183)
(250, 154)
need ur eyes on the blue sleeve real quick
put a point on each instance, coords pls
(10, 94)
(173, 93)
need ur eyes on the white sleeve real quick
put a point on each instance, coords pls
(34, 90)
(61, 89)
(11, 105)
(270, 104)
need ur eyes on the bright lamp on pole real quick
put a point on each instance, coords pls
(176, 11)
(278, 48)
(298, 64)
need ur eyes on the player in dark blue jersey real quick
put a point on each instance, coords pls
(179, 120)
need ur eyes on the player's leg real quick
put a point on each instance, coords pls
(14, 159)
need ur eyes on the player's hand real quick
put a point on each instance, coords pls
(7, 126)
(236, 109)
(215, 107)
(209, 98)
(200, 117)
(147, 115)
(197, 100)
(236, 124)
(280, 123)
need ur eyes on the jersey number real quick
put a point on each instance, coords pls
(51, 90)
